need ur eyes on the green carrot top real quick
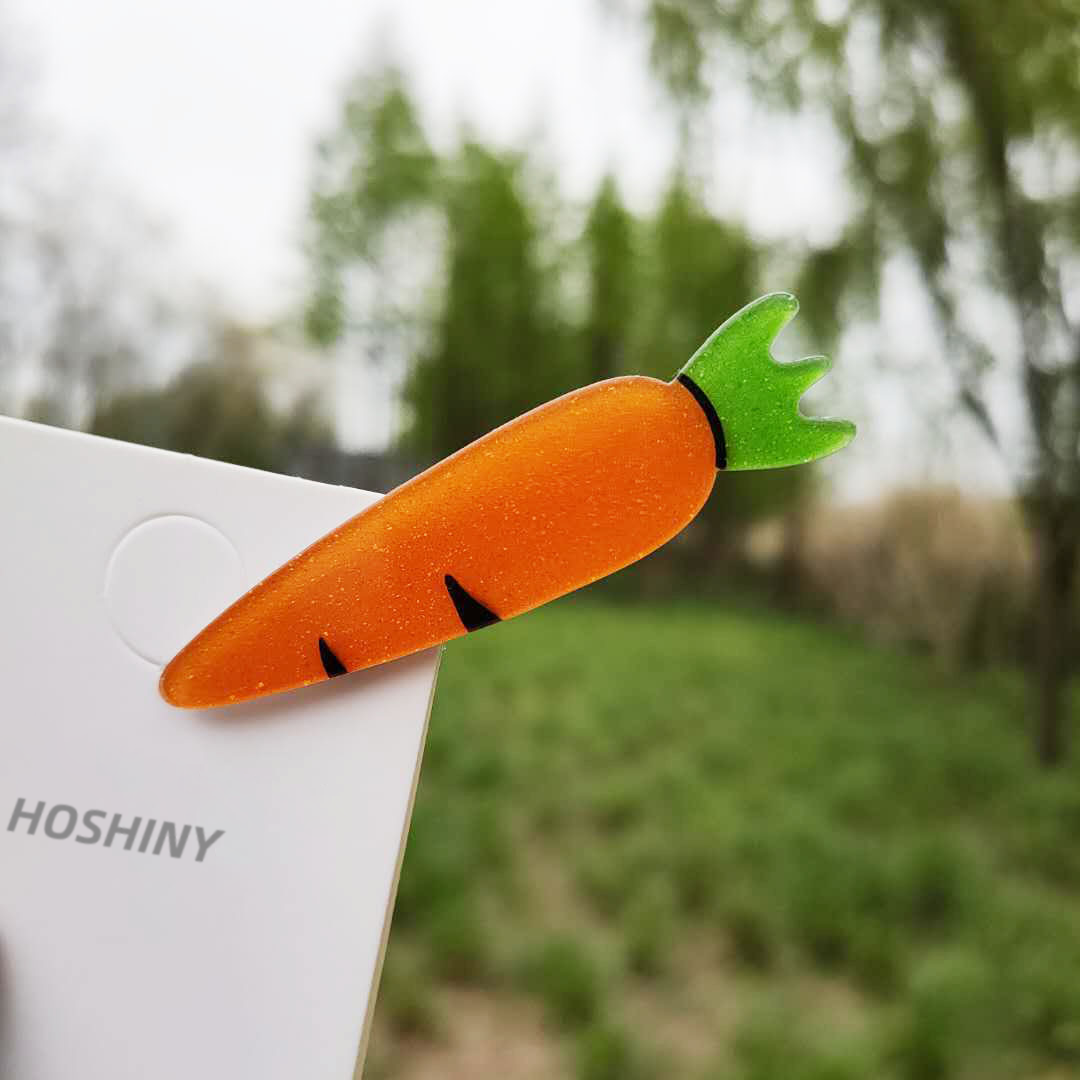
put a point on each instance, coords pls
(756, 398)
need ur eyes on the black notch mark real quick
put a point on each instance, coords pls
(710, 414)
(331, 664)
(471, 612)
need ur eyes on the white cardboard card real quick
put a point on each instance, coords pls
(136, 956)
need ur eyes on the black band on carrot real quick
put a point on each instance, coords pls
(710, 414)
(331, 664)
(473, 614)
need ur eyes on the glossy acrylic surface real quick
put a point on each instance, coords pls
(757, 398)
(551, 501)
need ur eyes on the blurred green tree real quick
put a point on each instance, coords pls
(216, 409)
(698, 269)
(962, 132)
(447, 270)
(610, 250)
(474, 249)
(498, 345)
(375, 171)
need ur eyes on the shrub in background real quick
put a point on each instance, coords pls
(929, 569)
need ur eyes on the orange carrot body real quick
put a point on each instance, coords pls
(551, 501)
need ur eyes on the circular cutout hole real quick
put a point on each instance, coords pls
(166, 579)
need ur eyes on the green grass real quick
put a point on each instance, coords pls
(663, 824)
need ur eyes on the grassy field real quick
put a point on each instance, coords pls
(683, 842)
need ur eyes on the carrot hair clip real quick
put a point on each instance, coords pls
(551, 501)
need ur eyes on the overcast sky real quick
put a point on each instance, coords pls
(206, 111)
